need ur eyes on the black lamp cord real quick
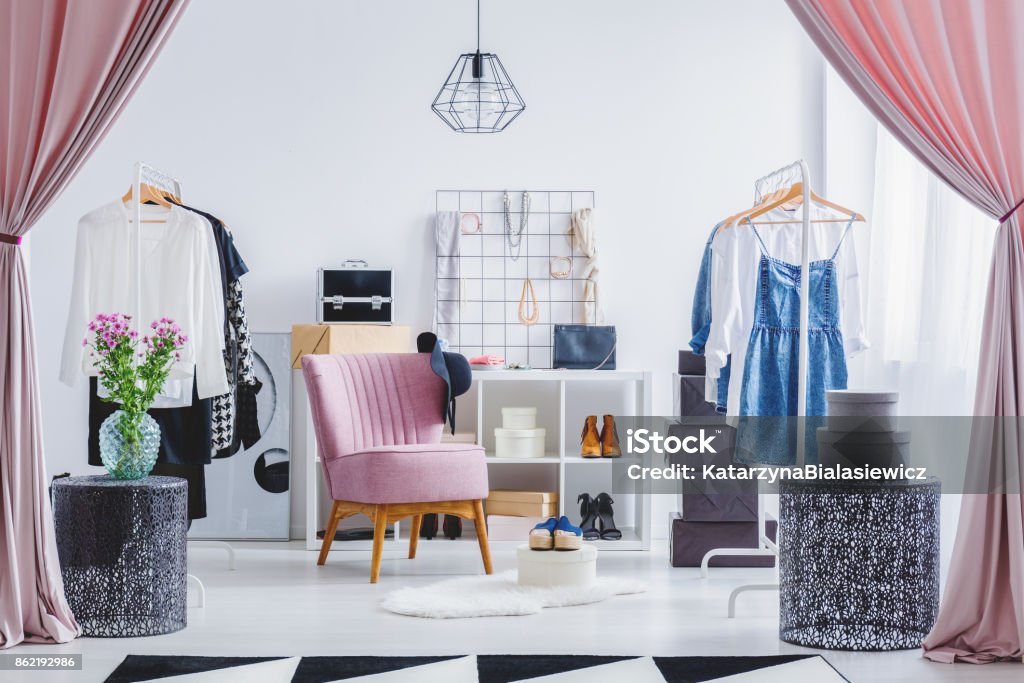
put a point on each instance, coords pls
(477, 61)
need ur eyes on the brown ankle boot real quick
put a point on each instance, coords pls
(610, 439)
(590, 441)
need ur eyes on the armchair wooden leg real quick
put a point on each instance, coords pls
(414, 534)
(380, 527)
(480, 521)
(332, 528)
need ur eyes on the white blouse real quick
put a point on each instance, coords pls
(735, 256)
(180, 279)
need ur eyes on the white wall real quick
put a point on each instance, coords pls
(307, 127)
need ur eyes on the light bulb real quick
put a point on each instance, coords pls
(479, 100)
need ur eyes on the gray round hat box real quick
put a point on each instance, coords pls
(862, 411)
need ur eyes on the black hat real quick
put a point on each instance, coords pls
(453, 368)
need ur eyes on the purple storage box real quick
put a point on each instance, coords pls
(719, 507)
(691, 398)
(707, 500)
(690, 363)
(690, 541)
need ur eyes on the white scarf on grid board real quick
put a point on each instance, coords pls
(449, 290)
(583, 236)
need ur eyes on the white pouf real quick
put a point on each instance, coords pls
(547, 568)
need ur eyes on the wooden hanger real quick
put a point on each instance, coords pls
(152, 194)
(791, 197)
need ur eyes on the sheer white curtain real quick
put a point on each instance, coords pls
(930, 254)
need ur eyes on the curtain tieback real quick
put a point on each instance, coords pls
(10, 239)
(1009, 213)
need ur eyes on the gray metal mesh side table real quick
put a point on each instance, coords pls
(858, 564)
(123, 554)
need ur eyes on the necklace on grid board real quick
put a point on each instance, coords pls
(515, 237)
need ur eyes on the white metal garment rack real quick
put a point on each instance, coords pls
(150, 175)
(767, 546)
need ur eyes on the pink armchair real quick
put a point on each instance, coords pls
(378, 422)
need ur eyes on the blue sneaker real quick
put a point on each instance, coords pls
(567, 536)
(541, 536)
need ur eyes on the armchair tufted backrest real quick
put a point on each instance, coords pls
(359, 401)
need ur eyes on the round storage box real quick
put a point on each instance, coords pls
(548, 568)
(519, 443)
(862, 411)
(518, 418)
(855, 449)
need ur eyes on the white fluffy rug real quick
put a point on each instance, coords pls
(500, 595)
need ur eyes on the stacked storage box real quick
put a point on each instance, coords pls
(512, 513)
(860, 566)
(519, 436)
(710, 519)
(862, 430)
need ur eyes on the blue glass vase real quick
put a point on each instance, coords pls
(129, 450)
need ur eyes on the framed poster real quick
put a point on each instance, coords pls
(248, 494)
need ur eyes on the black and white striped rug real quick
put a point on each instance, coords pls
(477, 669)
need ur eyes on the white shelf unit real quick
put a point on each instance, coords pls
(561, 465)
(566, 398)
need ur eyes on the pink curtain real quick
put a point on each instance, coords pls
(946, 77)
(67, 69)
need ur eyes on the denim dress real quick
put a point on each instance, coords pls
(771, 373)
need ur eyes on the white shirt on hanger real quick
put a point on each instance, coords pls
(180, 279)
(735, 256)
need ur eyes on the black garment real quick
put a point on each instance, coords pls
(238, 410)
(239, 404)
(232, 267)
(195, 475)
(247, 427)
(184, 432)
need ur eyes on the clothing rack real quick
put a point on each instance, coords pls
(484, 320)
(766, 546)
(150, 175)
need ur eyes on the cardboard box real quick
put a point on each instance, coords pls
(330, 339)
(507, 528)
(504, 507)
(522, 496)
(458, 437)
(517, 503)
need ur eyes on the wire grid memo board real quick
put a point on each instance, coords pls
(476, 293)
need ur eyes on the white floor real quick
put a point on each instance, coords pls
(278, 602)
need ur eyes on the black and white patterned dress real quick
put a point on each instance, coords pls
(238, 406)
(235, 423)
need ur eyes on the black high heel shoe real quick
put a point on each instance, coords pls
(428, 527)
(605, 518)
(588, 517)
(452, 527)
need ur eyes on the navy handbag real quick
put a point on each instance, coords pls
(584, 347)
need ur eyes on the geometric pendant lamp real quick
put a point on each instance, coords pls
(478, 96)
